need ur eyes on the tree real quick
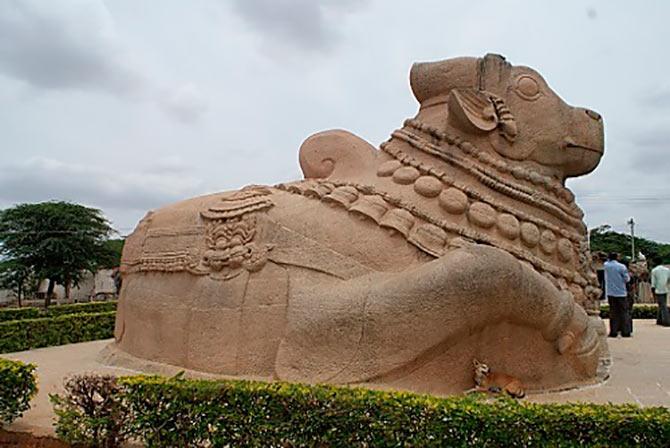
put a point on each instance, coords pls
(604, 239)
(57, 240)
(115, 249)
(15, 276)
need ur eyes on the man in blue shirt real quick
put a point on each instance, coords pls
(616, 277)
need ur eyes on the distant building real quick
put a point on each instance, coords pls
(6, 296)
(101, 286)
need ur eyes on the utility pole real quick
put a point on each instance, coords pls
(631, 223)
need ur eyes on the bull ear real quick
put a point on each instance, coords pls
(503, 141)
(472, 110)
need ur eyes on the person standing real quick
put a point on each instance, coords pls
(660, 277)
(616, 277)
(631, 290)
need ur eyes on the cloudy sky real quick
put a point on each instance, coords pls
(128, 105)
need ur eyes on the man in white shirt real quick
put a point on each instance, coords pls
(660, 280)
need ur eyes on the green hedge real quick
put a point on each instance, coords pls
(76, 308)
(17, 386)
(640, 311)
(7, 314)
(18, 335)
(161, 412)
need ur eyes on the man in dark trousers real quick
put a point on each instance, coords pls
(616, 277)
(631, 289)
(660, 282)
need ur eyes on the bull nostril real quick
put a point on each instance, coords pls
(593, 114)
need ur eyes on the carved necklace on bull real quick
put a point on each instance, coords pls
(560, 201)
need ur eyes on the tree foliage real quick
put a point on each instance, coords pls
(56, 240)
(16, 276)
(604, 239)
(114, 250)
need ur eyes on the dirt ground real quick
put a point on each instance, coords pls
(24, 440)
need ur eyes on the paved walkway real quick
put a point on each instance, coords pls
(640, 371)
(640, 374)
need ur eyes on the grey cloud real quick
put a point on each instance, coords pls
(655, 137)
(629, 195)
(64, 45)
(73, 44)
(170, 165)
(303, 24)
(651, 151)
(632, 185)
(656, 99)
(42, 179)
(132, 51)
(185, 103)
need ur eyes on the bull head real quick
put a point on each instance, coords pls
(510, 110)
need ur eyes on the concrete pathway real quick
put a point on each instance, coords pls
(640, 371)
(640, 374)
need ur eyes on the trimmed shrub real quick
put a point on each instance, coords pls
(76, 308)
(18, 335)
(91, 413)
(7, 314)
(18, 386)
(177, 412)
(640, 311)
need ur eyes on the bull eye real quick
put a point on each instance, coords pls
(527, 88)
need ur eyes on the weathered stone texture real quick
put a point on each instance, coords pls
(456, 239)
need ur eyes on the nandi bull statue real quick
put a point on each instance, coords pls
(392, 266)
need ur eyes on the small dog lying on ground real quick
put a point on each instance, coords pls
(494, 382)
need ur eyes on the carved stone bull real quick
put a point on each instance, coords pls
(393, 267)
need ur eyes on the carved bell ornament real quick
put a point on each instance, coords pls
(369, 206)
(398, 220)
(343, 196)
